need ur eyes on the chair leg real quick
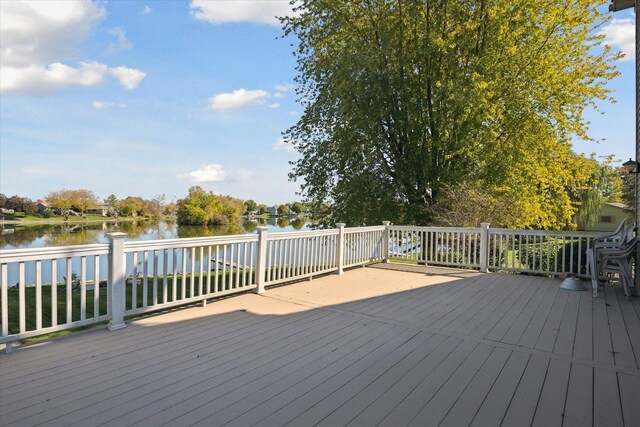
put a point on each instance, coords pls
(594, 273)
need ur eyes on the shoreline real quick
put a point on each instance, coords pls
(48, 221)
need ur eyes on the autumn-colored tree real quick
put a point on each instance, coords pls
(83, 200)
(406, 99)
(63, 200)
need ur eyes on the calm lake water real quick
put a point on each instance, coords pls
(34, 236)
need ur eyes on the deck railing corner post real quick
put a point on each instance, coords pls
(340, 250)
(261, 259)
(117, 278)
(484, 247)
(385, 241)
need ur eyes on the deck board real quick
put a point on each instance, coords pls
(375, 346)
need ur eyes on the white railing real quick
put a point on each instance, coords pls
(363, 245)
(174, 272)
(447, 246)
(541, 252)
(48, 296)
(294, 256)
(67, 287)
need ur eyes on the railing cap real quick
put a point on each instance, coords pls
(117, 235)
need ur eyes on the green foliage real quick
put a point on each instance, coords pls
(604, 184)
(283, 210)
(250, 205)
(132, 206)
(554, 254)
(205, 208)
(111, 201)
(404, 98)
(628, 188)
(297, 207)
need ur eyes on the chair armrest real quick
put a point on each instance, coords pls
(619, 232)
(623, 252)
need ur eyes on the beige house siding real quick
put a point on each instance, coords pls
(609, 218)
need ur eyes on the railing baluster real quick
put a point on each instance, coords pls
(69, 288)
(21, 298)
(216, 269)
(54, 292)
(145, 271)
(200, 284)
(192, 278)
(4, 294)
(96, 285)
(165, 275)
(155, 277)
(174, 275)
(134, 281)
(83, 288)
(208, 269)
(224, 267)
(238, 266)
(38, 294)
(244, 264)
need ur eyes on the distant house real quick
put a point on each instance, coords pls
(272, 210)
(42, 206)
(103, 210)
(609, 217)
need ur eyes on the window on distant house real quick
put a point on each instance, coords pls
(606, 219)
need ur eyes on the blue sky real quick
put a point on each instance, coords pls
(144, 98)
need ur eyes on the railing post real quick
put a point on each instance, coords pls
(340, 251)
(385, 241)
(484, 247)
(117, 277)
(261, 260)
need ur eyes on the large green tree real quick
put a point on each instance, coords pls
(202, 207)
(406, 98)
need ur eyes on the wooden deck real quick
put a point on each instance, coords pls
(371, 347)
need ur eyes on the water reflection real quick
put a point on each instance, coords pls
(32, 236)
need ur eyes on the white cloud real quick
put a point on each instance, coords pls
(101, 104)
(274, 105)
(278, 95)
(146, 10)
(219, 12)
(129, 77)
(35, 78)
(36, 36)
(238, 99)
(281, 145)
(620, 34)
(213, 172)
(41, 32)
(283, 88)
(121, 42)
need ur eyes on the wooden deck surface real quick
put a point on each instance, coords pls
(370, 347)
